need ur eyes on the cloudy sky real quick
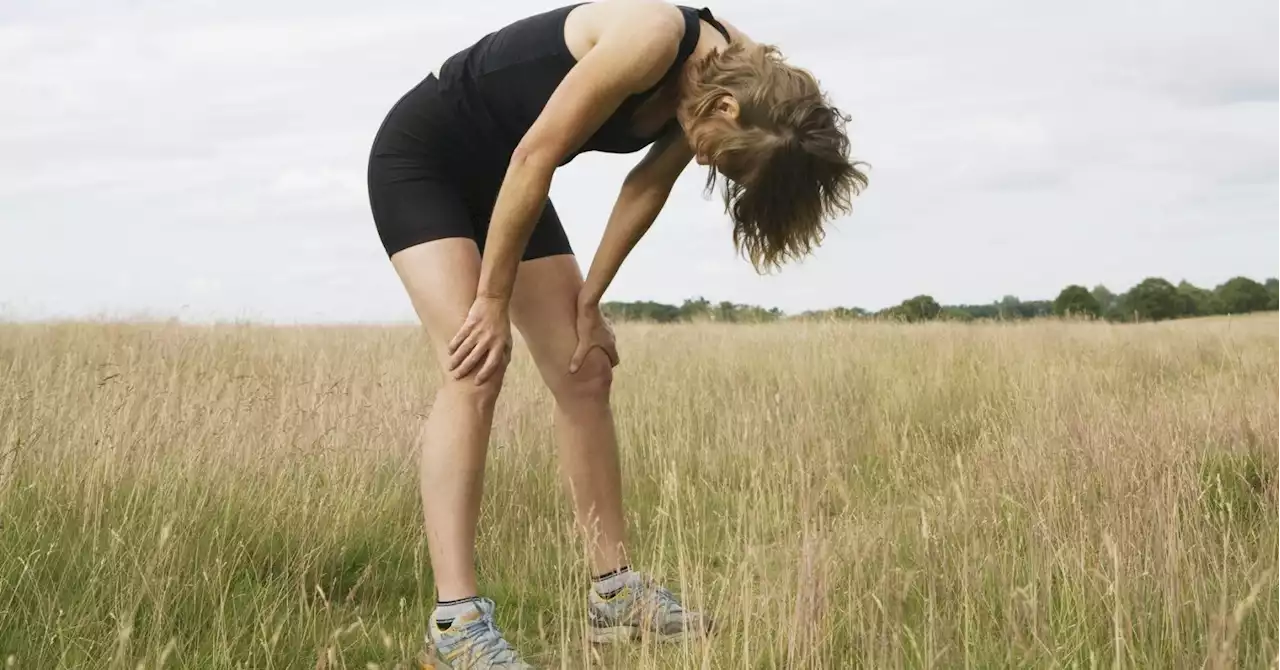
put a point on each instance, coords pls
(206, 159)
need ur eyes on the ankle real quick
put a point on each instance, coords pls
(610, 583)
(448, 610)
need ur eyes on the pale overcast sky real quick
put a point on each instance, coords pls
(207, 159)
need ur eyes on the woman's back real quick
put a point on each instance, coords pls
(501, 83)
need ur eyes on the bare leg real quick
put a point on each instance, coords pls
(544, 308)
(441, 279)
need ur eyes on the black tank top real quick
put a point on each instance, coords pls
(500, 84)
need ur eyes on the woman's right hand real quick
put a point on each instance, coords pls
(593, 331)
(484, 340)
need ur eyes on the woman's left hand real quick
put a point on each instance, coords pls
(593, 331)
(483, 342)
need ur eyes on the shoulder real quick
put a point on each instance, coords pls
(652, 15)
(645, 22)
(635, 40)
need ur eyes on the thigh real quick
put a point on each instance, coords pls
(440, 277)
(544, 307)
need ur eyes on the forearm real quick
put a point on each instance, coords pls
(634, 212)
(519, 203)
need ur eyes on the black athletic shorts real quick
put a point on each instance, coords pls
(434, 173)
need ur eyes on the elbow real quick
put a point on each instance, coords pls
(534, 158)
(642, 187)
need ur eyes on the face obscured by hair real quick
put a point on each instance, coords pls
(768, 129)
(705, 132)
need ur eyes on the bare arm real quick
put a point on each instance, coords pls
(627, 56)
(643, 195)
(624, 59)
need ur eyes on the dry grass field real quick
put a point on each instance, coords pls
(1030, 495)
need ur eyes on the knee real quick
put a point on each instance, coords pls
(591, 383)
(483, 397)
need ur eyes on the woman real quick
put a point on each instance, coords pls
(459, 177)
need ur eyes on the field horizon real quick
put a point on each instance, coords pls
(1037, 493)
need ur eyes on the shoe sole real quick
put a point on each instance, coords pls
(429, 661)
(623, 634)
(426, 662)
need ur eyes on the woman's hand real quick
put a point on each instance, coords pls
(484, 340)
(593, 331)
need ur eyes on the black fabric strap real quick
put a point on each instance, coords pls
(706, 15)
(687, 44)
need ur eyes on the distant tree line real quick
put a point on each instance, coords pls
(1153, 299)
(699, 309)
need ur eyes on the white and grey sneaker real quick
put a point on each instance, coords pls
(470, 642)
(641, 610)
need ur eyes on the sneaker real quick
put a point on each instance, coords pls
(471, 642)
(641, 609)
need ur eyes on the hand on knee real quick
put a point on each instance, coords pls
(483, 396)
(590, 383)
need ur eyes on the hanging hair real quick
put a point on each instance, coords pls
(784, 158)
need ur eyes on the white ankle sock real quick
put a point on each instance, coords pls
(446, 612)
(609, 584)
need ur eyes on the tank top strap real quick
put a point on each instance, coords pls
(706, 15)
(692, 31)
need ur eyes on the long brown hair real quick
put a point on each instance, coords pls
(785, 157)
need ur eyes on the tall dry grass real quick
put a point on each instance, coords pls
(879, 496)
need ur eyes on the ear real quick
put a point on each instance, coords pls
(728, 106)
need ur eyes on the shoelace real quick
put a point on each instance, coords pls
(488, 640)
(664, 598)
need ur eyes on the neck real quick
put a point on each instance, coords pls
(710, 41)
